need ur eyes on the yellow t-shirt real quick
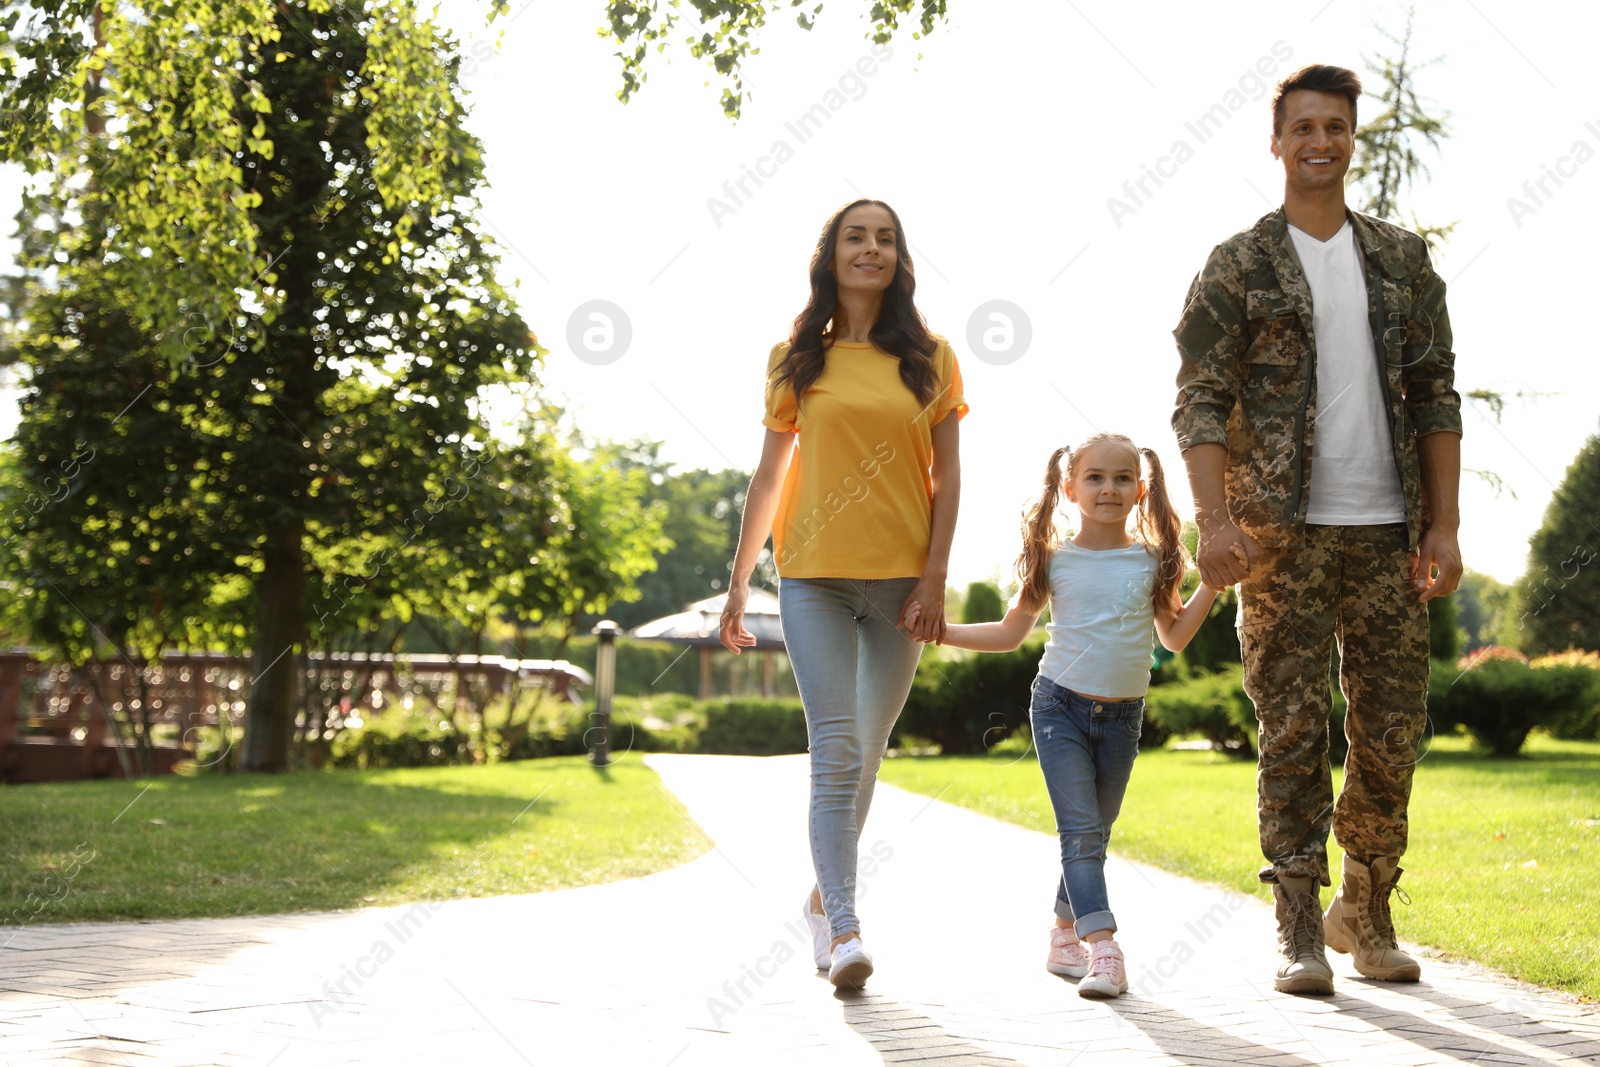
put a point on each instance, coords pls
(858, 499)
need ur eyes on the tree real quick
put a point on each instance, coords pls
(983, 603)
(1390, 165)
(1444, 637)
(180, 82)
(1559, 596)
(702, 509)
(262, 232)
(345, 413)
(1483, 609)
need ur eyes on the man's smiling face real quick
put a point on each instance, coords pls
(1316, 141)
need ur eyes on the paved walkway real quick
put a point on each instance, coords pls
(709, 964)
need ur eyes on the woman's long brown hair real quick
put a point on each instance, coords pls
(899, 331)
(1157, 525)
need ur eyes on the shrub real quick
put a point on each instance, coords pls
(746, 727)
(1216, 644)
(966, 704)
(1212, 705)
(409, 742)
(983, 603)
(1152, 734)
(1581, 723)
(1500, 698)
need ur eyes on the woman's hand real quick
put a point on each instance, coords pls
(922, 614)
(732, 632)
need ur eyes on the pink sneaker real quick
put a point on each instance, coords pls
(1106, 977)
(1068, 956)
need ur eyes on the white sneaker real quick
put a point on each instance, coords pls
(819, 935)
(851, 965)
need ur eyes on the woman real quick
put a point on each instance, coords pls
(861, 523)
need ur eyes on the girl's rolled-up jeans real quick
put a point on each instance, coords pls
(854, 667)
(1086, 751)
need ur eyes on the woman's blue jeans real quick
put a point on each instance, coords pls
(1086, 751)
(854, 667)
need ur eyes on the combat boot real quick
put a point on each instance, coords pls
(1358, 921)
(1304, 967)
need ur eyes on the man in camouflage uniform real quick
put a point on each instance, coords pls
(1320, 331)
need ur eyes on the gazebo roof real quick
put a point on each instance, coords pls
(698, 625)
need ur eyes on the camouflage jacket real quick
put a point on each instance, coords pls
(1248, 379)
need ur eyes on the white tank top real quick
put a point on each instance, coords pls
(1102, 621)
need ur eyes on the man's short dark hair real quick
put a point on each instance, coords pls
(1318, 78)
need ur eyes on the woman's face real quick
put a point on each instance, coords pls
(867, 250)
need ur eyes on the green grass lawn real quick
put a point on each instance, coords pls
(243, 844)
(1503, 865)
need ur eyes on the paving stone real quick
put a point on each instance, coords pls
(621, 973)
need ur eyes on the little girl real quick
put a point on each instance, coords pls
(1105, 587)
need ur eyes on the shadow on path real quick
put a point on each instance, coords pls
(898, 1034)
(1184, 1038)
(1454, 1043)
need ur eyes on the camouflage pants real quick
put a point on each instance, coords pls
(1351, 583)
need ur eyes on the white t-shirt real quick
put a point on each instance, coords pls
(1102, 620)
(1354, 481)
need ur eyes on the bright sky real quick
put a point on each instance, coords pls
(1000, 146)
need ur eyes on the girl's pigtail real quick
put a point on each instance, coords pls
(1039, 539)
(1159, 525)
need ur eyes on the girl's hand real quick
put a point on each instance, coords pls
(732, 632)
(910, 621)
(922, 614)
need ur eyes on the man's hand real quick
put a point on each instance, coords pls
(1225, 555)
(1436, 569)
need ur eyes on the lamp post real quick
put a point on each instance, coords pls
(605, 677)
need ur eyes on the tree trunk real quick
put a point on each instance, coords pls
(280, 642)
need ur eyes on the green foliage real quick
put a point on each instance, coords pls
(1500, 699)
(745, 727)
(419, 745)
(970, 703)
(1559, 597)
(1388, 161)
(1216, 644)
(185, 85)
(1212, 705)
(1444, 639)
(669, 722)
(187, 88)
(724, 42)
(982, 603)
(1581, 722)
(701, 513)
(321, 469)
(1483, 611)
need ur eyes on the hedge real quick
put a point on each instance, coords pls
(669, 722)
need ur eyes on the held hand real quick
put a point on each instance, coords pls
(912, 614)
(1240, 556)
(1225, 556)
(922, 614)
(732, 632)
(1436, 568)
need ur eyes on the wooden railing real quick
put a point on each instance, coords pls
(61, 722)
